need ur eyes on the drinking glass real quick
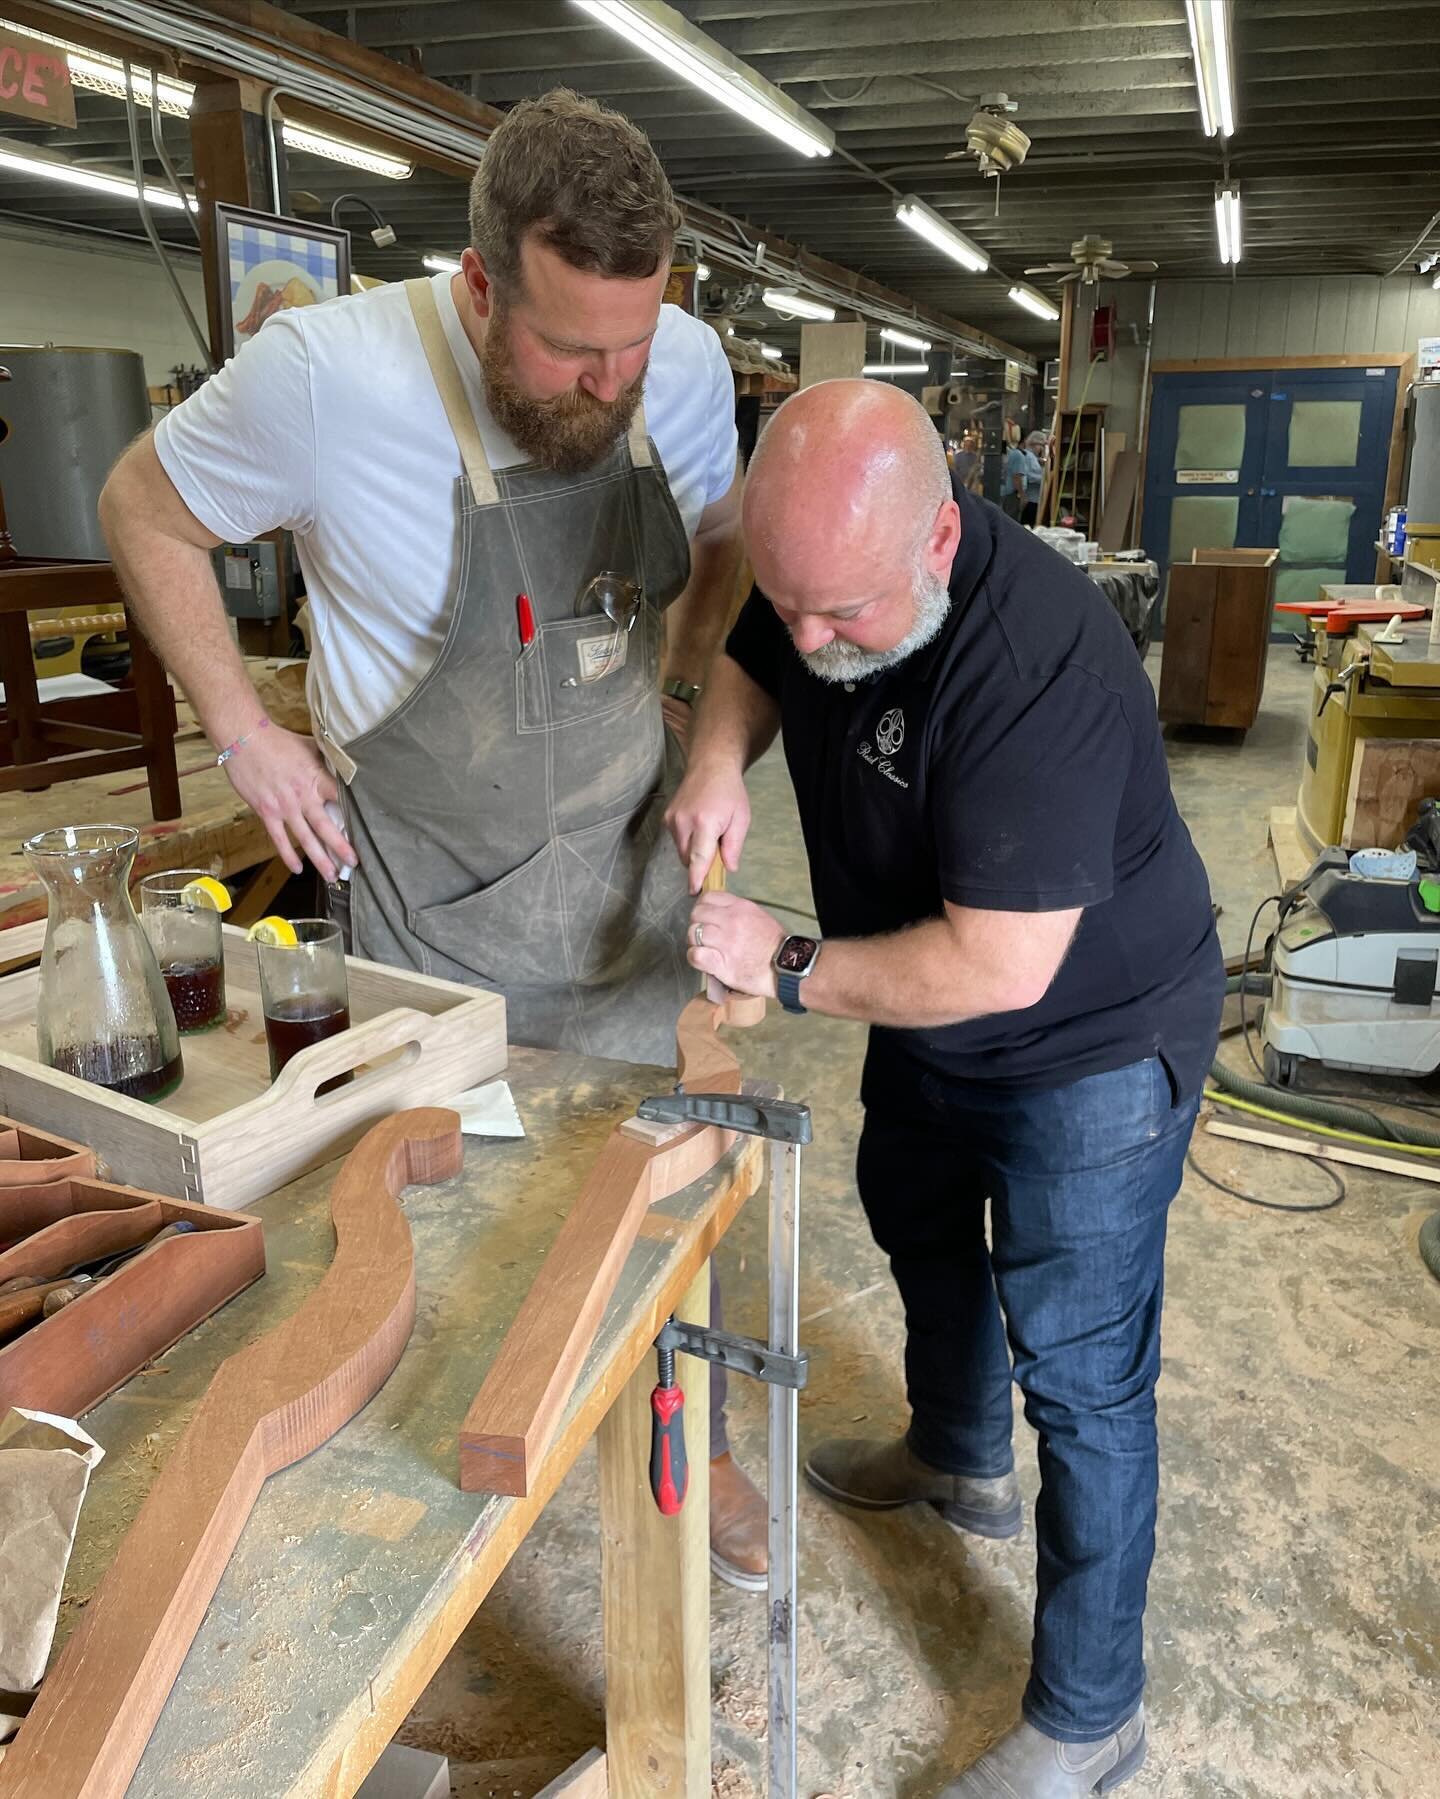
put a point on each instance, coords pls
(304, 992)
(188, 946)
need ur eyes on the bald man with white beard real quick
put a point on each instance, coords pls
(1007, 895)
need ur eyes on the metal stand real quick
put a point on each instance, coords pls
(759, 1112)
(783, 1471)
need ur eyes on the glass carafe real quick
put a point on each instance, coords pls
(103, 1012)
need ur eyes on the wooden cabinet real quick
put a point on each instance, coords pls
(1217, 634)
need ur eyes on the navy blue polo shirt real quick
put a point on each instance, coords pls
(1015, 764)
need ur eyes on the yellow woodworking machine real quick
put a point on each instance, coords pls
(1377, 690)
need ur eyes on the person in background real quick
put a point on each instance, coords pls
(515, 499)
(1024, 476)
(966, 461)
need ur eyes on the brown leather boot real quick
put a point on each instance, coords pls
(739, 1526)
(878, 1477)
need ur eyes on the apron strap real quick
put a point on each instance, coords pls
(639, 440)
(438, 354)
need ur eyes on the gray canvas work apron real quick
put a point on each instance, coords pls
(508, 813)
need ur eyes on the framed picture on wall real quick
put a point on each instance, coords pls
(269, 264)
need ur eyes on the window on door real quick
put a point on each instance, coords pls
(1287, 459)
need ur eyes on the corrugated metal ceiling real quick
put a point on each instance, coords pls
(1337, 148)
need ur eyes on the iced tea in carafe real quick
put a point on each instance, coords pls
(103, 1012)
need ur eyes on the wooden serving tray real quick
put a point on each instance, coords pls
(71, 1361)
(228, 1135)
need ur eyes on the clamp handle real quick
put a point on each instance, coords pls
(781, 1120)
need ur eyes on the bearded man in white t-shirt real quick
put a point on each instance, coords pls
(498, 481)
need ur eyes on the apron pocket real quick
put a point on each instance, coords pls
(581, 670)
(509, 933)
(625, 894)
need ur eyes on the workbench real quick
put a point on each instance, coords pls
(360, 1566)
(216, 830)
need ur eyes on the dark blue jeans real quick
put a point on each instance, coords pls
(1079, 1181)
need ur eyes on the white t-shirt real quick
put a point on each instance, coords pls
(329, 423)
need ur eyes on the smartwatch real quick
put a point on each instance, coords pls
(795, 958)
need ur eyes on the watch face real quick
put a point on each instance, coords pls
(796, 954)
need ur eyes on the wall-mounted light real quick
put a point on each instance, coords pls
(781, 300)
(929, 225)
(903, 338)
(671, 39)
(702, 271)
(1227, 221)
(1213, 49)
(1034, 302)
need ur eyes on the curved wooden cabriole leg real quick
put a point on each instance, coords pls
(515, 1414)
(268, 1405)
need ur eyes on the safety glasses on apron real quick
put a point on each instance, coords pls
(508, 813)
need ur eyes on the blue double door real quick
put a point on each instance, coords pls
(1288, 459)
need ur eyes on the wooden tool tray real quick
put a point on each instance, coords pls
(72, 1360)
(228, 1135)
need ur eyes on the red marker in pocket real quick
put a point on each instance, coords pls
(525, 619)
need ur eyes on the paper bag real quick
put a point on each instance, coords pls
(45, 1465)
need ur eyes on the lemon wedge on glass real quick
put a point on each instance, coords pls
(206, 893)
(276, 933)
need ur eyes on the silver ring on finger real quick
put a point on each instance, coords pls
(699, 936)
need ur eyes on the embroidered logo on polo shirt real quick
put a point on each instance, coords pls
(890, 732)
(889, 735)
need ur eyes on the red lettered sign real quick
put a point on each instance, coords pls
(35, 79)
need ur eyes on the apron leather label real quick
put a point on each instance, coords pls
(601, 656)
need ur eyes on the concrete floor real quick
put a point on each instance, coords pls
(1294, 1623)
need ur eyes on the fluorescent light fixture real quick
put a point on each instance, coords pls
(1227, 222)
(1214, 52)
(1436, 282)
(1034, 302)
(702, 271)
(442, 265)
(671, 39)
(903, 338)
(928, 223)
(100, 74)
(896, 368)
(770, 353)
(354, 156)
(119, 187)
(778, 299)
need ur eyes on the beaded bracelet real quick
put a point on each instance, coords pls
(240, 742)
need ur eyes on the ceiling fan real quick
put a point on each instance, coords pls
(1091, 261)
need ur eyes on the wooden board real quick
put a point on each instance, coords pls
(515, 1414)
(1388, 779)
(267, 1406)
(228, 1135)
(655, 1577)
(1119, 501)
(1410, 1169)
(1292, 860)
(586, 1780)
